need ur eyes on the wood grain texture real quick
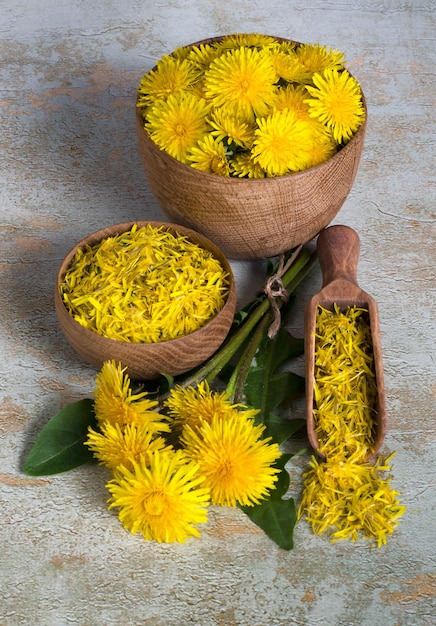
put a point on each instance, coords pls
(338, 251)
(146, 361)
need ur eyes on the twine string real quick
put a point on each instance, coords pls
(274, 289)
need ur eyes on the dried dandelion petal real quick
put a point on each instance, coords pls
(348, 500)
(144, 286)
(344, 495)
(345, 388)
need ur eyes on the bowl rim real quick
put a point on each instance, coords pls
(97, 236)
(273, 180)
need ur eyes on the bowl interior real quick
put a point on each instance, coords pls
(148, 361)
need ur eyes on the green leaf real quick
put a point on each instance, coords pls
(280, 429)
(283, 480)
(276, 516)
(265, 387)
(268, 392)
(282, 348)
(60, 444)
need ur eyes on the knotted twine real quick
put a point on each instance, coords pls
(274, 289)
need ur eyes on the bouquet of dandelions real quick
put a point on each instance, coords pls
(175, 446)
(251, 105)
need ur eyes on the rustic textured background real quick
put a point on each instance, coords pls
(69, 165)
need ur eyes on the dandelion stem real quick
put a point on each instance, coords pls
(237, 380)
(290, 280)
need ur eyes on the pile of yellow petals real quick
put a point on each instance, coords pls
(144, 286)
(352, 498)
(345, 495)
(344, 384)
(168, 467)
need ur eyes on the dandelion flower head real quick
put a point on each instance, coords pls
(228, 129)
(244, 166)
(317, 58)
(336, 101)
(283, 143)
(171, 76)
(115, 445)
(289, 68)
(249, 40)
(237, 463)
(242, 80)
(293, 97)
(191, 406)
(209, 155)
(176, 124)
(163, 498)
(115, 402)
(202, 56)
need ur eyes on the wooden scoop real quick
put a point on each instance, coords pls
(338, 252)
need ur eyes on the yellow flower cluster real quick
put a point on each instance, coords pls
(144, 286)
(345, 495)
(250, 105)
(233, 456)
(161, 489)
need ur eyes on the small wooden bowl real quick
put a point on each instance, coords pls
(251, 218)
(146, 361)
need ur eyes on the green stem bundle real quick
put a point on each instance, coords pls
(291, 279)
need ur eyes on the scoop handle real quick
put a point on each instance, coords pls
(338, 250)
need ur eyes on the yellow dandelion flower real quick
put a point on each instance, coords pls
(202, 56)
(337, 102)
(286, 46)
(243, 166)
(197, 89)
(172, 75)
(180, 53)
(323, 147)
(317, 58)
(226, 127)
(114, 401)
(283, 143)
(292, 97)
(289, 68)
(238, 465)
(116, 445)
(178, 123)
(249, 40)
(194, 405)
(242, 80)
(209, 155)
(163, 499)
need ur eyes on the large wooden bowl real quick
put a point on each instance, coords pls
(251, 218)
(146, 361)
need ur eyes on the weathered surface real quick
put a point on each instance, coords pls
(69, 165)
